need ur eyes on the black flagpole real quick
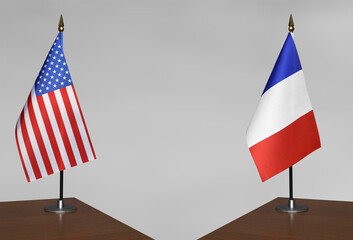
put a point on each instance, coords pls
(60, 207)
(291, 183)
(291, 207)
(61, 185)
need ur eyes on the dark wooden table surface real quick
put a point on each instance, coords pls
(325, 220)
(26, 220)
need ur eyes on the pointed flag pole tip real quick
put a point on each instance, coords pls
(291, 24)
(61, 24)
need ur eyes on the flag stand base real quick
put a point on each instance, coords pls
(60, 207)
(292, 207)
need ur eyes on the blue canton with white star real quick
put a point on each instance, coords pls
(54, 73)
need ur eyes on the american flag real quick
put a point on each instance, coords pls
(51, 133)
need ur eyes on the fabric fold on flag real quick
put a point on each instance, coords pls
(283, 129)
(51, 133)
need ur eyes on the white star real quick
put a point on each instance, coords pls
(49, 82)
(54, 57)
(51, 63)
(57, 80)
(46, 74)
(61, 55)
(40, 90)
(47, 88)
(42, 71)
(64, 77)
(64, 63)
(52, 77)
(45, 79)
(69, 80)
(59, 46)
(61, 69)
(62, 83)
(56, 66)
(40, 76)
(52, 49)
(67, 72)
(42, 85)
(59, 60)
(54, 85)
(54, 71)
(38, 82)
(56, 52)
(59, 74)
(49, 68)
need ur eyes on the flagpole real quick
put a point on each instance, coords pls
(60, 207)
(291, 183)
(61, 185)
(291, 207)
(61, 194)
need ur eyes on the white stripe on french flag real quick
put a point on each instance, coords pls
(283, 129)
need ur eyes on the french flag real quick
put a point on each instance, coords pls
(283, 129)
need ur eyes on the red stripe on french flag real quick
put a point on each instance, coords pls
(286, 147)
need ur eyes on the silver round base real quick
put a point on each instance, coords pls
(54, 208)
(292, 207)
(60, 207)
(297, 208)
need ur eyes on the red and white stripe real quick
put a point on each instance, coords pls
(280, 106)
(51, 133)
(283, 129)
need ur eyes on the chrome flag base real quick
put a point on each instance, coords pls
(60, 207)
(292, 207)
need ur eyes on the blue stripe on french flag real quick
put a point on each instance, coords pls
(287, 63)
(283, 129)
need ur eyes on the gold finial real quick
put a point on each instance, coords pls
(291, 24)
(61, 24)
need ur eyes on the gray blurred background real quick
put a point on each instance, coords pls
(167, 89)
